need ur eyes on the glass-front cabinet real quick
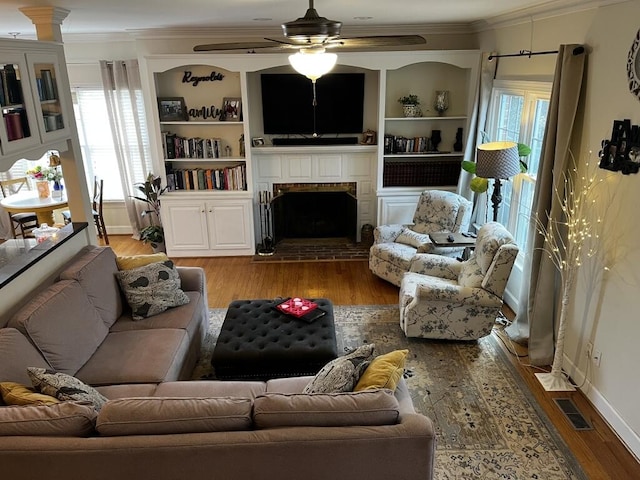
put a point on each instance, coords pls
(31, 100)
(18, 128)
(47, 94)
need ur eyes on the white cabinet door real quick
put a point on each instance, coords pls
(230, 225)
(397, 210)
(185, 225)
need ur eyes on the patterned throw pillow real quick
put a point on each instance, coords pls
(414, 239)
(151, 289)
(341, 374)
(65, 387)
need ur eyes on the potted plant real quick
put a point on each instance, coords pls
(151, 189)
(410, 105)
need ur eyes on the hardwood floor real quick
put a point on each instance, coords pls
(599, 451)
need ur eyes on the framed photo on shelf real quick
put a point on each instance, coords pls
(172, 109)
(257, 141)
(232, 109)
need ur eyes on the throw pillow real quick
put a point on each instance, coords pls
(18, 394)
(152, 289)
(67, 419)
(128, 262)
(415, 239)
(342, 373)
(384, 371)
(167, 415)
(65, 387)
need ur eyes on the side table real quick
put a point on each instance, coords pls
(442, 239)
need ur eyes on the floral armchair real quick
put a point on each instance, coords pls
(395, 245)
(442, 298)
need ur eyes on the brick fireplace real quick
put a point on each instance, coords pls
(314, 210)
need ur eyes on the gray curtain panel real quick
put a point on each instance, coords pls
(477, 125)
(538, 312)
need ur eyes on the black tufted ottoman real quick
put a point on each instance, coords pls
(259, 342)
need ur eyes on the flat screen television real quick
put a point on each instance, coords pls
(287, 104)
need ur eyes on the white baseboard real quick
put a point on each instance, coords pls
(626, 435)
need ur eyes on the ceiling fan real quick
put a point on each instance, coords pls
(313, 33)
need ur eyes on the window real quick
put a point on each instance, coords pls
(518, 113)
(96, 140)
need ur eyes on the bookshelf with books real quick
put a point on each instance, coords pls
(199, 133)
(423, 151)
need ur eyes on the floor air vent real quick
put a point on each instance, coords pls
(572, 413)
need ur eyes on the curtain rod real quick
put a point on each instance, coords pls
(528, 53)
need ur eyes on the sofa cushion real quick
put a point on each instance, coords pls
(152, 289)
(66, 419)
(95, 268)
(211, 388)
(341, 374)
(65, 387)
(166, 415)
(384, 371)
(138, 356)
(18, 394)
(16, 354)
(177, 317)
(127, 390)
(62, 323)
(372, 407)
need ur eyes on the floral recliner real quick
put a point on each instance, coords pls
(395, 245)
(446, 299)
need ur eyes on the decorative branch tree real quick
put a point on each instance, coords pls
(568, 241)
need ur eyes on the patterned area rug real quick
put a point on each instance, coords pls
(487, 422)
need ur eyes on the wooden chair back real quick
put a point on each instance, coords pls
(14, 185)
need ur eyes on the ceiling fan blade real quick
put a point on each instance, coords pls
(235, 46)
(378, 41)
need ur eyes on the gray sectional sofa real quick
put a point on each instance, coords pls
(157, 423)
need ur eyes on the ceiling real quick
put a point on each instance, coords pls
(126, 16)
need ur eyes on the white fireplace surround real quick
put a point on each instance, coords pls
(318, 165)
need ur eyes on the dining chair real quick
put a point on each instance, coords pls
(96, 206)
(26, 221)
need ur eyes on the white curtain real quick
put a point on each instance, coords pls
(123, 93)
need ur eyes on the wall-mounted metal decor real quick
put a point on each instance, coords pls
(622, 152)
(633, 66)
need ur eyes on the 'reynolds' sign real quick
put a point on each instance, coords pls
(194, 80)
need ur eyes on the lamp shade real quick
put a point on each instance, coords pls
(498, 160)
(313, 64)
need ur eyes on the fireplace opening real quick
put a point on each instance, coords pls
(314, 211)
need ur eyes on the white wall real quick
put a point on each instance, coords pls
(604, 309)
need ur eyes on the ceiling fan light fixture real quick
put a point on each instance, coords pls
(313, 64)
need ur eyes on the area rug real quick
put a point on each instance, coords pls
(488, 425)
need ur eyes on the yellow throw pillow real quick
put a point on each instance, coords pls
(18, 394)
(129, 262)
(384, 371)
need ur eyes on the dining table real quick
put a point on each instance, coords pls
(23, 202)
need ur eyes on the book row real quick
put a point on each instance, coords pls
(10, 89)
(175, 146)
(399, 144)
(227, 178)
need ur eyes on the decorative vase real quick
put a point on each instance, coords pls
(436, 138)
(457, 147)
(441, 102)
(410, 110)
(43, 188)
(57, 188)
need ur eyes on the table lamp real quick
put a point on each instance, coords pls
(497, 160)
